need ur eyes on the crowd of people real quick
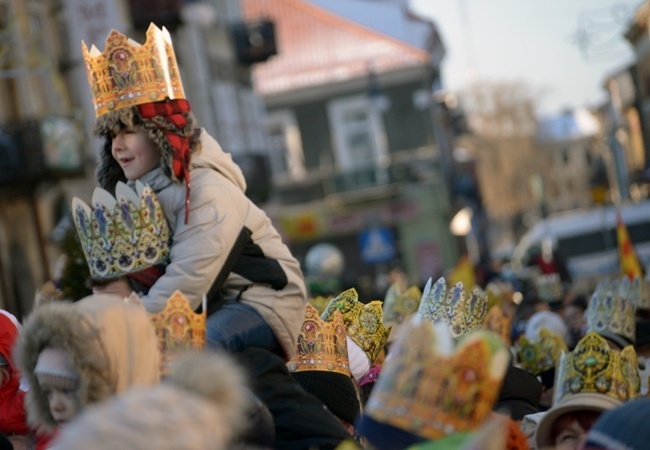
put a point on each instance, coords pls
(198, 333)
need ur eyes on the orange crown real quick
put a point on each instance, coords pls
(321, 345)
(128, 74)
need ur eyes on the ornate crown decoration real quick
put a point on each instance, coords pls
(462, 314)
(430, 389)
(549, 287)
(593, 367)
(363, 322)
(122, 234)
(319, 302)
(321, 345)
(178, 327)
(640, 293)
(398, 304)
(541, 354)
(498, 323)
(612, 311)
(128, 74)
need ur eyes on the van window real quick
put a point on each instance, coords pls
(600, 241)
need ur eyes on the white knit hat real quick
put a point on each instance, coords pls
(359, 361)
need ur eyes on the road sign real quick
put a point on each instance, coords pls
(377, 245)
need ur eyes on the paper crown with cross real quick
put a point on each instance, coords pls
(593, 367)
(541, 354)
(364, 322)
(462, 314)
(322, 345)
(127, 73)
(612, 313)
(432, 387)
(400, 304)
(121, 234)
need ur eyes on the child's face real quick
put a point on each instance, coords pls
(134, 152)
(64, 402)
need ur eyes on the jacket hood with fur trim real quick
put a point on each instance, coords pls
(110, 343)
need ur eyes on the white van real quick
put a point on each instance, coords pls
(587, 240)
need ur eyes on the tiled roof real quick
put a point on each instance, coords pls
(317, 47)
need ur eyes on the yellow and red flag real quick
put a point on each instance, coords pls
(630, 265)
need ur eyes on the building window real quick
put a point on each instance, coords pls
(358, 132)
(285, 145)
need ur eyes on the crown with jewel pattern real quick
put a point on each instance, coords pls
(640, 293)
(127, 73)
(321, 345)
(543, 353)
(364, 323)
(178, 327)
(593, 367)
(462, 314)
(612, 312)
(431, 387)
(498, 323)
(121, 234)
(400, 304)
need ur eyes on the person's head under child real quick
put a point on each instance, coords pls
(60, 382)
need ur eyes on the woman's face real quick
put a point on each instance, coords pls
(570, 430)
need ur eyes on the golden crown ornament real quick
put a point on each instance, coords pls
(400, 304)
(364, 322)
(593, 367)
(611, 311)
(121, 234)
(498, 323)
(543, 353)
(549, 287)
(127, 73)
(319, 302)
(321, 345)
(462, 314)
(432, 387)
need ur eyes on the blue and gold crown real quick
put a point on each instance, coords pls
(541, 354)
(433, 388)
(364, 322)
(462, 314)
(121, 234)
(322, 345)
(640, 293)
(593, 367)
(612, 312)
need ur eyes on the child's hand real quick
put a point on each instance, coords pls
(119, 286)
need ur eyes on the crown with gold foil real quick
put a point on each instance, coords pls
(128, 74)
(543, 353)
(549, 287)
(612, 312)
(593, 367)
(321, 345)
(364, 323)
(399, 304)
(319, 302)
(431, 389)
(497, 322)
(121, 234)
(462, 314)
(178, 327)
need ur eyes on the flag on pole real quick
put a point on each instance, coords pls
(630, 265)
(464, 271)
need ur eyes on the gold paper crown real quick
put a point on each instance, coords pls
(363, 322)
(593, 367)
(321, 345)
(541, 354)
(611, 310)
(123, 234)
(320, 303)
(430, 389)
(498, 323)
(461, 314)
(398, 304)
(128, 74)
(178, 327)
(549, 287)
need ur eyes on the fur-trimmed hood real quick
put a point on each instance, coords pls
(111, 344)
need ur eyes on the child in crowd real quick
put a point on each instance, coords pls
(223, 245)
(76, 354)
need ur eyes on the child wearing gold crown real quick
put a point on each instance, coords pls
(223, 245)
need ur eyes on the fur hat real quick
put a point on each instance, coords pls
(160, 120)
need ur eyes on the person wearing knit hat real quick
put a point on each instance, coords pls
(223, 245)
(76, 354)
(622, 428)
